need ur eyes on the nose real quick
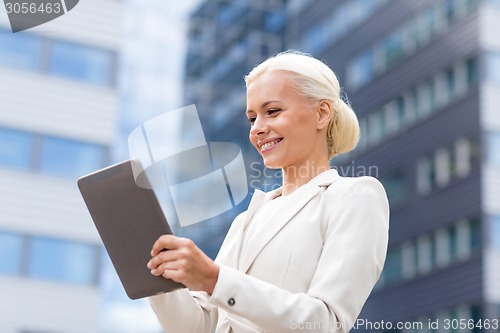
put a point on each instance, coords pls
(259, 127)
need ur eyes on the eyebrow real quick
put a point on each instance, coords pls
(264, 105)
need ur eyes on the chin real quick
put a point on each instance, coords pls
(272, 164)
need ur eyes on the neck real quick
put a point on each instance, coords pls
(296, 176)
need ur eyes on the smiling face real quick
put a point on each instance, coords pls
(286, 129)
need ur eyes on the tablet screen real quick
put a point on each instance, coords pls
(129, 220)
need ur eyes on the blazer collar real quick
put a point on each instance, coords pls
(259, 197)
(280, 218)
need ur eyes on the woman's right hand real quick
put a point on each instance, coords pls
(183, 262)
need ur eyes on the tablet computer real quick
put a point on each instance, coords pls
(129, 220)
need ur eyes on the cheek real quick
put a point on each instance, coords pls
(253, 139)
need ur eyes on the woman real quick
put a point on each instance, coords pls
(304, 257)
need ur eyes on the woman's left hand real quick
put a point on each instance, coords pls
(183, 262)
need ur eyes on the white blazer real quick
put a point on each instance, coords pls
(311, 269)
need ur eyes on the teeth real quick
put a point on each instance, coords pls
(269, 144)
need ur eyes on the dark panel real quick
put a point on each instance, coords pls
(444, 207)
(383, 21)
(461, 198)
(444, 126)
(460, 41)
(460, 283)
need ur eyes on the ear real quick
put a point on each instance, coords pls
(324, 114)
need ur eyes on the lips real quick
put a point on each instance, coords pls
(269, 144)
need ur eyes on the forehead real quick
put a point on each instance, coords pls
(270, 84)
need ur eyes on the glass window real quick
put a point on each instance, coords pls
(476, 315)
(62, 261)
(11, 247)
(20, 50)
(443, 166)
(376, 127)
(395, 186)
(494, 148)
(274, 21)
(15, 148)
(229, 12)
(442, 247)
(423, 28)
(475, 150)
(468, 5)
(493, 66)
(224, 13)
(471, 70)
(425, 254)
(475, 233)
(314, 41)
(462, 158)
(452, 242)
(400, 107)
(493, 2)
(432, 250)
(361, 69)
(411, 105)
(69, 158)
(81, 62)
(450, 82)
(392, 120)
(495, 232)
(393, 266)
(430, 18)
(427, 100)
(393, 46)
(426, 175)
(409, 259)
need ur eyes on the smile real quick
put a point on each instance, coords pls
(269, 145)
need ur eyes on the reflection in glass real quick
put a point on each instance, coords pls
(10, 253)
(393, 266)
(81, 62)
(20, 50)
(63, 157)
(62, 261)
(15, 149)
(495, 232)
(494, 148)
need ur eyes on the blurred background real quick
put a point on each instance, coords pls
(423, 77)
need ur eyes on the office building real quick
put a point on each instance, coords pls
(226, 39)
(423, 78)
(58, 121)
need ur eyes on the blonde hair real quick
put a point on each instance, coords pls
(316, 82)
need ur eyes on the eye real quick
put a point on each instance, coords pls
(252, 119)
(271, 112)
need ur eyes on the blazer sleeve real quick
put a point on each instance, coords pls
(184, 311)
(353, 255)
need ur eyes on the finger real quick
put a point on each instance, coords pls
(164, 256)
(174, 275)
(163, 242)
(166, 266)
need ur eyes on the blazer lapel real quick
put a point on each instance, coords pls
(276, 222)
(232, 250)
(258, 199)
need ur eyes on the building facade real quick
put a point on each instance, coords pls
(423, 78)
(58, 121)
(226, 39)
